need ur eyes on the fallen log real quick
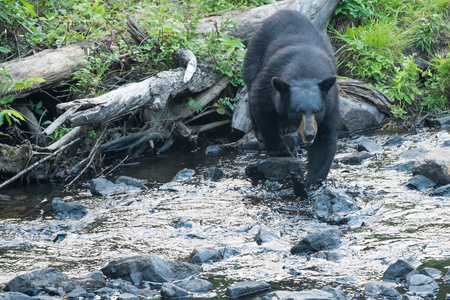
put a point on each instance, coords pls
(153, 92)
(53, 65)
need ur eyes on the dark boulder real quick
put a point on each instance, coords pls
(315, 242)
(246, 288)
(215, 174)
(171, 291)
(130, 181)
(355, 159)
(184, 175)
(35, 282)
(420, 183)
(359, 116)
(149, 268)
(435, 165)
(205, 255)
(63, 210)
(195, 285)
(366, 144)
(397, 271)
(286, 171)
(442, 191)
(333, 206)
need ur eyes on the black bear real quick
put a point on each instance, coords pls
(290, 73)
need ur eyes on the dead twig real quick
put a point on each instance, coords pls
(18, 175)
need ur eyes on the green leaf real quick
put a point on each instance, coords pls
(4, 50)
(29, 7)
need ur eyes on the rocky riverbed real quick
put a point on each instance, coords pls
(370, 230)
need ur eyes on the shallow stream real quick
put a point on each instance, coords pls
(172, 218)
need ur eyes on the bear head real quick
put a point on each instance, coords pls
(302, 103)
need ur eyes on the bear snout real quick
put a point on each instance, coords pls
(308, 129)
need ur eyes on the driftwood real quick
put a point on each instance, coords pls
(362, 92)
(52, 65)
(320, 12)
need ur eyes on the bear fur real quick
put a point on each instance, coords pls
(290, 73)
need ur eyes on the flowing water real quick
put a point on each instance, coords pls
(394, 222)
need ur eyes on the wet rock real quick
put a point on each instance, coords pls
(413, 154)
(405, 167)
(446, 143)
(105, 188)
(213, 150)
(95, 275)
(422, 286)
(420, 183)
(381, 290)
(359, 116)
(35, 282)
(355, 159)
(144, 293)
(76, 293)
(335, 256)
(195, 285)
(184, 174)
(181, 223)
(431, 272)
(275, 169)
(366, 144)
(245, 288)
(105, 291)
(337, 293)
(397, 140)
(304, 295)
(149, 268)
(130, 181)
(215, 174)
(15, 296)
(325, 240)
(332, 205)
(397, 271)
(229, 252)
(205, 255)
(442, 191)
(127, 296)
(63, 210)
(59, 237)
(441, 122)
(435, 165)
(411, 297)
(266, 235)
(446, 277)
(171, 291)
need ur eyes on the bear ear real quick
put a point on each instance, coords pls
(280, 85)
(326, 84)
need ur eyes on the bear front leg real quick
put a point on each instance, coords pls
(321, 155)
(267, 127)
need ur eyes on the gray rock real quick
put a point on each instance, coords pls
(355, 159)
(442, 122)
(127, 296)
(422, 286)
(229, 252)
(411, 297)
(171, 291)
(35, 282)
(76, 293)
(405, 167)
(96, 275)
(130, 181)
(442, 191)
(435, 165)
(359, 116)
(195, 285)
(184, 174)
(105, 291)
(431, 272)
(337, 293)
(366, 144)
(266, 235)
(413, 154)
(144, 293)
(446, 143)
(205, 255)
(332, 205)
(420, 183)
(15, 296)
(63, 210)
(304, 295)
(381, 290)
(276, 169)
(215, 174)
(245, 288)
(397, 271)
(325, 240)
(213, 150)
(395, 141)
(149, 268)
(105, 188)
